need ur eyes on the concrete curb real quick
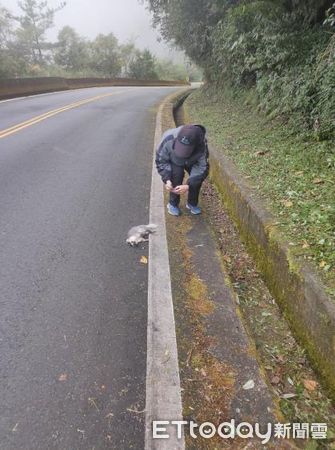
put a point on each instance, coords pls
(163, 393)
(294, 284)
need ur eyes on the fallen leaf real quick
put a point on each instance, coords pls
(305, 244)
(290, 381)
(62, 377)
(310, 385)
(203, 373)
(288, 396)
(322, 264)
(275, 380)
(287, 203)
(248, 385)
(144, 260)
(318, 181)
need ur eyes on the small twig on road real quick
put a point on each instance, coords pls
(91, 401)
(135, 411)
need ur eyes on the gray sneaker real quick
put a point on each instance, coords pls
(173, 210)
(194, 209)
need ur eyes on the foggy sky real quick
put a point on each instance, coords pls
(126, 19)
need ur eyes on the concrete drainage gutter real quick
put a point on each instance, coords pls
(296, 287)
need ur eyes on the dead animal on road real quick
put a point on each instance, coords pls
(140, 233)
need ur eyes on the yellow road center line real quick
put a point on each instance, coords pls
(34, 120)
(40, 116)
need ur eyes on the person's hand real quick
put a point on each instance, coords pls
(182, 189)
(168, 186)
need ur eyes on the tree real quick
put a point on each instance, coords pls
(105, 55)
(5, 32)
(143, 66)
(5, 27)
(167, 70)
(12, 63)
(275, 47)
(307, 11)
(128, 53)
(71, 51)
(36, 19)
(188, 25)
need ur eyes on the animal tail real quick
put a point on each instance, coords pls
(151, 227)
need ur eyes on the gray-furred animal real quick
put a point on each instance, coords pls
(140, 233)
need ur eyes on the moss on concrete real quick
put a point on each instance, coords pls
(283, 274)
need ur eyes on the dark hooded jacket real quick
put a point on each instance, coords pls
(197, 164)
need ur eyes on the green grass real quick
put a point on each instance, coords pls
(293, 175)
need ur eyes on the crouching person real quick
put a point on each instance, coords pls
(183, 149)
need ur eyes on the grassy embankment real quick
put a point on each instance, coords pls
(294, 176)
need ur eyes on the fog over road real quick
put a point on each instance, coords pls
(73, 295)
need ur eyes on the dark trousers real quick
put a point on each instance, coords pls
(177, 178)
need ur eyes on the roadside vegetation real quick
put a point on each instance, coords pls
(294, 176)
(269, 103)
(283, 51)
(26, 52)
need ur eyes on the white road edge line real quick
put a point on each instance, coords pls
(163, 394)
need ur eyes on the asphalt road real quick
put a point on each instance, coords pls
(73, 296)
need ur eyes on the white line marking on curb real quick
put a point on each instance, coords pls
(163, 395)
